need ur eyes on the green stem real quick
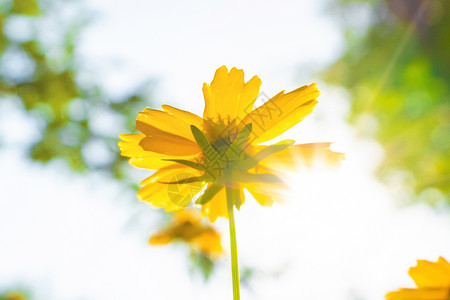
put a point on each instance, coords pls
(234, 256)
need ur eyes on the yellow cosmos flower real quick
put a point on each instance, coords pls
(187, 226)
(432, 280)
(223, 149)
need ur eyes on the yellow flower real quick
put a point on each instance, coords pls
(187, 226)
(432, 280)
(222, 149)
(13, 296)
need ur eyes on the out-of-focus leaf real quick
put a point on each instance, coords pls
(25, 7)
(398, 75)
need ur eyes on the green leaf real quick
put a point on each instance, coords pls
(188, 163)
(26, 7)
(209, 193)
(236, 149)
(202, 141)
(255, 159)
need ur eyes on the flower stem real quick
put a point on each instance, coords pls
(234, 256)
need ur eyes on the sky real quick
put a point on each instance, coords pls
(339, 235)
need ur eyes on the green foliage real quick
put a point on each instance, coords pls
(25, 7)
(66, 109)
(201, 263)
(398, 73)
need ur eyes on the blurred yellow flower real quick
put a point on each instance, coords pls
(222, 149)
(432, 280)
(13, 296)
(187, 226)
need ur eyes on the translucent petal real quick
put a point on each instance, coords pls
(281, 113)
(129, 147)
(170, 196)
(217, 207)
(266, 193)
(229, 97)
(188, 117)
(300, 155)
(165, 122)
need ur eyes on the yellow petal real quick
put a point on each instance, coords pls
(129, 147)
(266, 193)
(431, 275)
(149, 119)
(281, 113)
(420, 294)
(166, 133)
(172, 197)
(229, 97)
(300, 155)
(161, 238)
(217, 206)
(187, 215)
(209, 242)
(187, 117)
(169, 144)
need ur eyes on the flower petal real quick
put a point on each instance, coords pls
(420, 294)
(217, 206)
(187, 117)
(431, 275)
(209, 243)
(149, 119)
(229, 97)
(129, 147)
(161, 238)
(281, 113)
(172, 197)
(169, 144)
(298, 155)
(266, 193)
(167, 133)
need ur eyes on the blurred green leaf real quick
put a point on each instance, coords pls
(398, 73)
(25, 7)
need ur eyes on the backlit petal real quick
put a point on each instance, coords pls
(169, 144)
(170, 196)
(266, 193)
(300, 155)
(165, 122)
(129, 147)
(229, 97)
(281, 113)
(187, 117)
(217, 206)
(166, 133)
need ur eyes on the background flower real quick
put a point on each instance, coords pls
(432, 280)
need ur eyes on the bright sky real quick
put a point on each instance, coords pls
(339, 235)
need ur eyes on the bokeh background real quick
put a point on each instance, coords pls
(74, 74)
